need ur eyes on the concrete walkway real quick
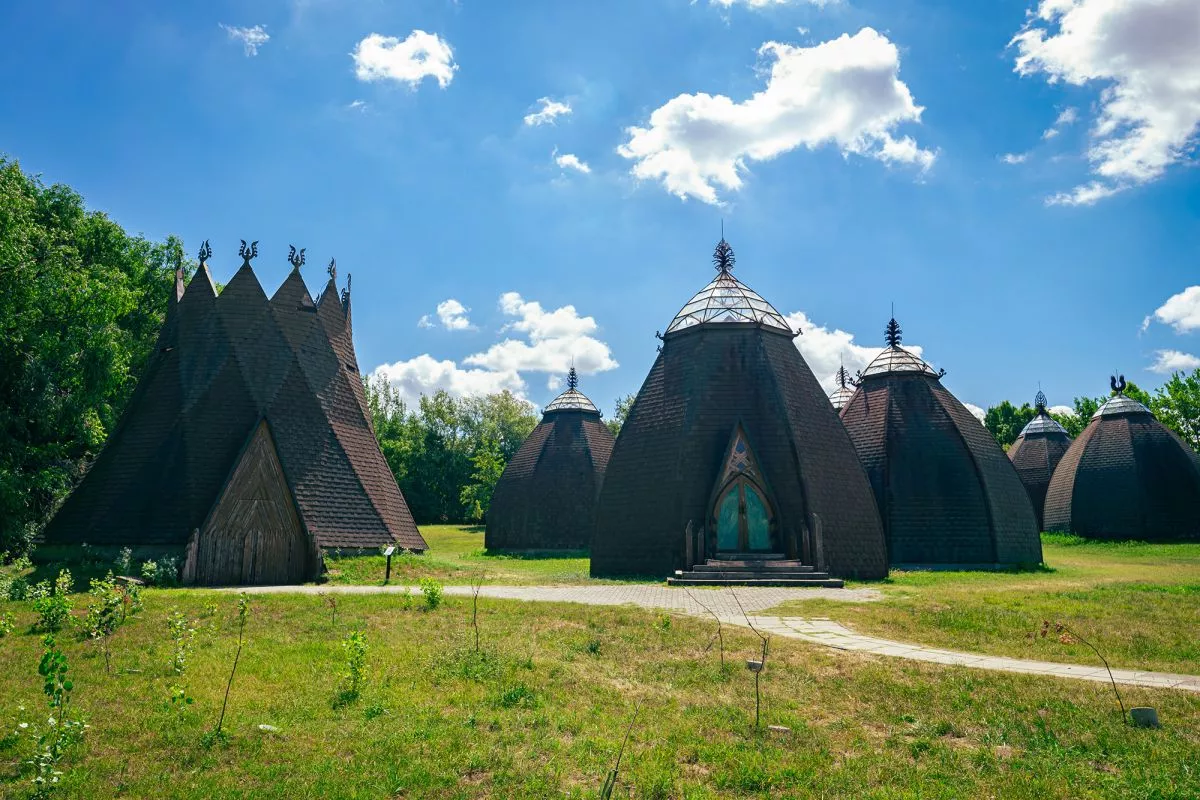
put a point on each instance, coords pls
(738, 607)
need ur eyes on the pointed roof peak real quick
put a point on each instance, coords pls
(893, 334)
(726, 299)
(572, 399)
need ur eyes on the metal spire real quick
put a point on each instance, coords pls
(572, 379)
(893, 334)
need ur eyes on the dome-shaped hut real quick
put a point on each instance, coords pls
(842, 394)
(546, 497)
(947, 493)
(1127, 476)
(731, 452)
(247, 446)
(1039, 447)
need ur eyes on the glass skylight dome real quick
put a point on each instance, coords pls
(895, 358)
(726, 299)
(1042, 422)
(572, 399)
(1120, 404)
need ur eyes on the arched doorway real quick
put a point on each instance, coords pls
(742, 518)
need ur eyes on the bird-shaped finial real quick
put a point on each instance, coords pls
(331, 269)
(1117, 382)
(206, 252)
(294, 258)
(248, 253)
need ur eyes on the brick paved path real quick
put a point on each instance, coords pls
(730, 604)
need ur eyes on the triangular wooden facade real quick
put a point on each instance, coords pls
(224, 365)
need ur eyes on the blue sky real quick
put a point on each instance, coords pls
(1014, 176)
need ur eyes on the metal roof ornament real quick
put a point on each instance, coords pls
(893, 334)
(1039, 402)
(205, 253)
(248, 253)
(346, 291)
(1117, 383)
(294, 258)
(842, 376)
(723, 258)
(572, 379)
(331, 269)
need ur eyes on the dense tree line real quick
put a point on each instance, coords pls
(1176, 404)
(448, 453)
(81, 302)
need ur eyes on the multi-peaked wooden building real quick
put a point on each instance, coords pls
(247, 447)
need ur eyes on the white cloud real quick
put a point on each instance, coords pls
(1170, 361)
(1014, 158)
(825, 349)
(251, 38)
(422, 55)
(547, 342)
(1068, 117)
(976, 411)
(1083, 195)
(548, 112)
(571, 161)
(1065, 411)
(1181, 311)
(357, 105)
(453, 315)
(426, 375)
(845, 92)
(1144, 54)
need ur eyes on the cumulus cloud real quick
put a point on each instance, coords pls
(251, 38)
(571, 161)
(976, 411)
(1181, 311)
(426, 375)
(825, 349)
(1062, 411)
(1014, 158)
(1066, 118)
(549, 111)
(1171, 361)
(451, 314)
(844, 93)
(1143, 54)
(535, 340)
(422, 55)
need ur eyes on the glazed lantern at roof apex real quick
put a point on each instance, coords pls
(572, 399)
(895, 359)
(1042, 422)
(1119, 404)
(726, 299)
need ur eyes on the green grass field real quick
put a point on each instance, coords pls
(541, 711)
(1138, 603)
(456, 555)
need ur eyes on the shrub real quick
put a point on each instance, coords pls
(61, 731)
(124, 562)
(355, 648)
(150, 572)
(433, 593)
(53, 604)
(105, 612)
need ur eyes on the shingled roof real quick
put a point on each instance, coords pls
(1127, 476)
(1039, 447)
(546, 497)
(730, 405)
(223, 366)
(946, 491)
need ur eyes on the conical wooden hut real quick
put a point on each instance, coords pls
(546, 498)
(1127, 476)
(947, 493)
(731, 452)
(1039, 447)
(247, 447)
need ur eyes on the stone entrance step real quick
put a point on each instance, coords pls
(747, 569)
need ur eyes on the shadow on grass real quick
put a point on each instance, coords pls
(530, 555)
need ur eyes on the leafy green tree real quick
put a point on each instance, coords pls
(1177, 405)
(81, 302)
(623, 406)
(1005, 421)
